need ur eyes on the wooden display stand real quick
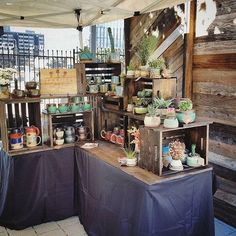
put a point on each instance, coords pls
(153, 139)
(19, 113)
(69, 118)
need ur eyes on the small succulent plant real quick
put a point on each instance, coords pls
(152, 110)
(186, 105)
(161, 103)
(130, 154)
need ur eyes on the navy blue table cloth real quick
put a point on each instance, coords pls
(53, 185)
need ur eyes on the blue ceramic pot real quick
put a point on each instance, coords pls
(186, 116)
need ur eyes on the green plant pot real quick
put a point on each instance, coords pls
(186, 116)
(84, 56)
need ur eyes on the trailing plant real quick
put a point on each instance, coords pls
(146, 47)
(161, 103)
(84, 50)
(111, 39)
(186, 105)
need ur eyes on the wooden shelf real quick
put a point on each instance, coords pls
(20, 100)
(65, 113)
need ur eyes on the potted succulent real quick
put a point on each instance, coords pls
(194, 158)
(162, 105)
(177, 150)
(131, 159)
(185, 114)
(152, 118)
(156, 66)
(85, 54)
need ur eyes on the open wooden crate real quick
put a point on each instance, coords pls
(153, 139)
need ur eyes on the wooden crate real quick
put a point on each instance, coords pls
(58, 82)
(70, 119)
(113, 103)
(19, 113)
(81, 78)
(152, 140)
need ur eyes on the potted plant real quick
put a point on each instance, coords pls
(194, 158)
(130, 70)
(156, 66)
(85, 54)
(177, 150)
(114, 56)
(146, 47)
(185, 114)
(131, 159)
(162, 105)
(133, 131)
(6, 76)
(152, 118)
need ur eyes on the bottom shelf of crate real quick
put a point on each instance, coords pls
(167, 171)
(26, 150)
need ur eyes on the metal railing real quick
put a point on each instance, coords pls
(28, 64)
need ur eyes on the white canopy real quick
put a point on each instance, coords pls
(61, 13)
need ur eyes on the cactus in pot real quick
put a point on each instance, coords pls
(185, 114)
(152, 118)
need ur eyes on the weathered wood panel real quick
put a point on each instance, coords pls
(214, 89)
(219, 76)
(215, 61)
(223, 149)
(215, 47)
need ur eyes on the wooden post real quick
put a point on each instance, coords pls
(127, 40)
(188, 81)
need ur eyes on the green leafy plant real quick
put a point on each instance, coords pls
(146, 47)
(111, 39)
(161, 103)
(130, 67)
(158, 63)
(186, 105)
(84, 50)
(152, 110)
(130, 153)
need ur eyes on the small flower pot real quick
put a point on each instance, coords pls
(131, 161)
(186, 117)
(150, 121)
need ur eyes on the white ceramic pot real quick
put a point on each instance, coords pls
(131, 162)
(150, 121)
(155, 73)
(176, 165)
(171, 123)
(130, 73)
(130, 107)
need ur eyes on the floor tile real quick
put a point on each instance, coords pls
(57, 232)
(46, 227)
(68, 221)
(222, 229)
(2, 229)
(4, 233)
(74, 230)
(25, 232)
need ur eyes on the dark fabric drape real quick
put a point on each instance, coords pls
(112, 202)
(41, 188)
(5, 167)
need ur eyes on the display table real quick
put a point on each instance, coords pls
(122, 201)
(109, 199)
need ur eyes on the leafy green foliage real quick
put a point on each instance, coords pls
(130, 154)
(152, 110)
(146, 46)
(158, 63)
(161, 103)
(186, 105)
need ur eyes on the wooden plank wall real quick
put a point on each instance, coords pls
(163, 23)
(214, 78)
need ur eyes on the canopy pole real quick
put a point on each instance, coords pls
(80, 29)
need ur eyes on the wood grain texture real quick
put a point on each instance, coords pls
(214, 89)
(215, 61)
(218, 76)
(228, 150)
(215, 47)
(188, 76)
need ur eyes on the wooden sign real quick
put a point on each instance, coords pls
(58, 82)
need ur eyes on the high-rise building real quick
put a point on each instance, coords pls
(27, 42)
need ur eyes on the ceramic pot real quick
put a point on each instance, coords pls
(131, 162)
(115, 79)
(51, 108)
(93, 88)
(155, 73)
(103, 88)
(150, 121)
(75, 107)
(171, 123)
(18, 93)
(63, 108)
(31, 85)
(16, 141)
(119, 91)
(176, 165)
(32, 130)
(130, 73)
(34, 92)
(59, 141)
(106, 134)
(186, 117)
(130, 107)
(87, 107)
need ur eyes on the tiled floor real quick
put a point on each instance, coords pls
(72, 227)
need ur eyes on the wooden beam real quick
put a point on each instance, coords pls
(189, 51)
(127, 40)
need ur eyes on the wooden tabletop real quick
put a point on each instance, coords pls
(110, 153)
